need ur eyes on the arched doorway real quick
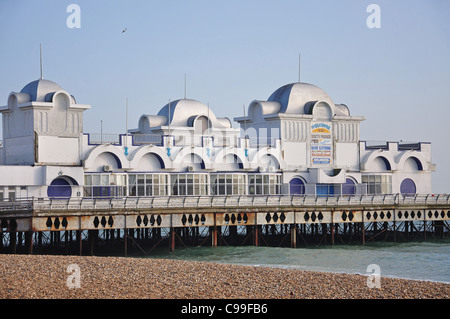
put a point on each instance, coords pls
(408, 187)
(60, 187)
(296, 186)
(349, 187)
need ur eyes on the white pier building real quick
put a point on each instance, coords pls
(297, 142)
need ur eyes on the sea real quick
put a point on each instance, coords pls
(425, 260)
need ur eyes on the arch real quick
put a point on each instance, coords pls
(180, 159)
(15, 99)
(193, 160)
(257, 109)
(61, 187)
(268, 162)
(320, 110)
(411, 158)
(60, 99)
(385, 161)
(408, 187)
(151, 162)
(200, 123)
(159, 152)
(118, 159)
(349, 187)
(259, 158)
(231, 162)
(12, 101)
(107, 159)
(239, 154)
(412, 164)
(297, 186)
(381, 164)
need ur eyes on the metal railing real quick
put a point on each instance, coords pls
(103, 138)
(153, 139)
(161, 202)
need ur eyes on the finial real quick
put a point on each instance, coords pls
(40, 54)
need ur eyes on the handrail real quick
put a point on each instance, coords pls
(99, 203)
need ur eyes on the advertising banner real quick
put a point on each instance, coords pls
(321, 143)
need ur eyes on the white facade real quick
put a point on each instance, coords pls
(297, 142)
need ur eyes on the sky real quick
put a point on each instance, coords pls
(233, 52)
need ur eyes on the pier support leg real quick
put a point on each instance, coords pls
(172, 239)
(13, 241)
(332, 234)
(395, 232)
(294, 236)
(363, 235)
(424, 230)
(214, 236)
(125, 239)
(91, 241)
(29, 242)
(256, 235)
(80, 241)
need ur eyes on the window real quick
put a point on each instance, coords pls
(148, 184)
(378, 184)
(408, 187)
(97, 185)
(227, 184)
(296, 186)
(264, 184)
(189, 184)
(105, 185)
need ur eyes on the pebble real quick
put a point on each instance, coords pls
(45, 277)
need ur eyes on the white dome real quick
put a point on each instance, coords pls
(184, 111)
(296, 98)
(41, 90)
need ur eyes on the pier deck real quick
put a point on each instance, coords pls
(269, 220)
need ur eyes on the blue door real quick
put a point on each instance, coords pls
(296, 186)
(59, 188)
(408, 187)
(349, 187)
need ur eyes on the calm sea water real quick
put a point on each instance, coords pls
(413, 260)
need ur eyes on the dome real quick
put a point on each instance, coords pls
(41, 90)
(184, 110)
(295, 97)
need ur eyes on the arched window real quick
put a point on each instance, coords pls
(408, 187)
(296, 186)
(59, 188)
(349, 188)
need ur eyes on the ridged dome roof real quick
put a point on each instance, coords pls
(181, 110)
(41, 90)
(293, 97)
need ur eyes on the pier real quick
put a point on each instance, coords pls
(140, 224)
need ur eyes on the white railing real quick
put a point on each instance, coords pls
(160, 202)
(236, 201)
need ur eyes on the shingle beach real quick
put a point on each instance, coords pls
(46, 277)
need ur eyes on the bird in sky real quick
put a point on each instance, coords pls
(124, 30)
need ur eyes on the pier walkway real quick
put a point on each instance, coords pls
(220, 220)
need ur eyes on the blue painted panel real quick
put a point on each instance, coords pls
(59, 187)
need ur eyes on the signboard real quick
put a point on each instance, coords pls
(321, 143)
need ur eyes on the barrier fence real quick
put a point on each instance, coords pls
(162, 202)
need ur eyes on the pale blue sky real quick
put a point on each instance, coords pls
(234, 52)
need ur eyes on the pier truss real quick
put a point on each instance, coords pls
(141, 224)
